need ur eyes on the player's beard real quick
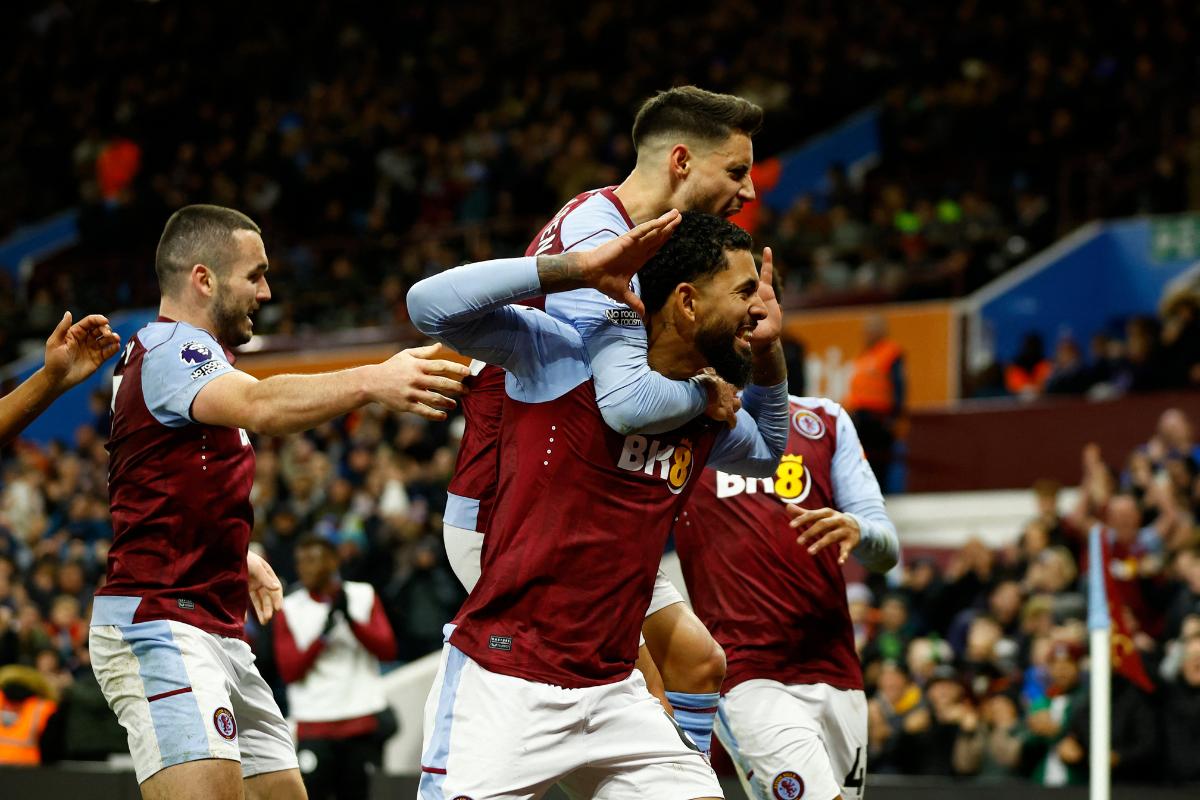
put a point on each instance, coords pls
(230, 320)
(716, 342)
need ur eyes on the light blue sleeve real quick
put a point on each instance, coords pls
(856, 493)
(755, 445)
(174, 371)
(632, 397)
(469, 309)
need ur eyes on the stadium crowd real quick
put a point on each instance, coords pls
(398, 147)
(1150, 353)
(978, 659)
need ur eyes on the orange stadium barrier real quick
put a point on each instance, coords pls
(927, 332)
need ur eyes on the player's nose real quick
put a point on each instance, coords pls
(264, 292)
(746, 193)
(758, 309)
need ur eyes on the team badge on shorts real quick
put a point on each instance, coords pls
(788, 786)
(808, 424)
(224, 723)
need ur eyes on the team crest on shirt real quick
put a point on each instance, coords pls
(808, 424)
(672, 463)
(788, 786)
(224, 723)
(195, 352)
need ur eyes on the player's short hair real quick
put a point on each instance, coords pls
(695, 252)
(196, 234)
(691, 112)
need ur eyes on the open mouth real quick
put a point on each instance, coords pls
(742, 337)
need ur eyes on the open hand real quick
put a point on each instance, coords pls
(416, 381)
(611, 266)
(73, 352)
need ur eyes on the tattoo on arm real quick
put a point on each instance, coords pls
(559, 273)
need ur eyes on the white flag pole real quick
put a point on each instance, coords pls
(1100, 645)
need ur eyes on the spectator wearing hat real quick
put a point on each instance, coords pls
(329, 639)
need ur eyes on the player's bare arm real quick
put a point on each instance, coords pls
(73, 352)
(410, 381)
(769, 366)
(611, 266)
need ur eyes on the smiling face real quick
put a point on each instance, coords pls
(241, 289)
(728, 308)
(718, 179)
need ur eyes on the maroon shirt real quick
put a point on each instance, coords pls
(179, 490)
(575, 541)
(778, 612)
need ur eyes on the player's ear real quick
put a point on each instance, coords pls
(204, 280)
(684, 301)
(679, 161)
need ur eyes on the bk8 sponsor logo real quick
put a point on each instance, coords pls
(674, 463)
(791, 483)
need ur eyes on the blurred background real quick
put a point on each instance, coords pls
(1005, 190)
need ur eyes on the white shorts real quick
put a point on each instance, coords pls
(665, 594)
(183, 694)
(464, 550)
(495, 737)
(787, 742)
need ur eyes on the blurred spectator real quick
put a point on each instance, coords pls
(1058, 756)
(1069, 374)
(988, 742)
(1134, 734)
(1181, 723)
(329, 638)
(84, 727)
(1027, 375)
(26, 705)
(876, 397)
(896, 715)
(894, 633)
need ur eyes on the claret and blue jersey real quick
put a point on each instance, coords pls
(179, 489)
(583, 510)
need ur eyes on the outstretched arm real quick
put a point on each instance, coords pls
(469, 308)
(73, 352)
(409, 381)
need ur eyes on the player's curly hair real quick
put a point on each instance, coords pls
(695, 252)
(696, 113)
